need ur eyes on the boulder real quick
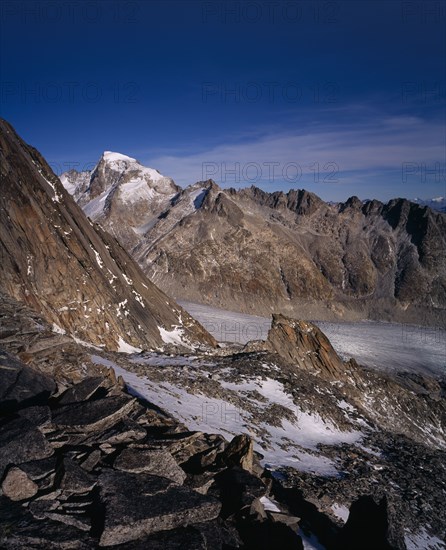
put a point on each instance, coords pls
(236, 489)
(39, 469)
(159, 463)
(20, 441)
(75, 480)
(160, 505)
(181, 445)
(52, 510)
(369, 526)
(40, 416)
(84, 390)
(21, 385)
(201, 461)
(267, 535)
(90, 416)
(174, 539)
(92, 459)
(18, 486)
(125, 431)
(201, 482)
(239, 452)
(19, 530)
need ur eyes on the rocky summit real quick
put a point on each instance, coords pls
(258, 252)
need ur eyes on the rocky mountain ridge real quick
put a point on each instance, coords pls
(436, 203)
(258, 252)
(60, 264)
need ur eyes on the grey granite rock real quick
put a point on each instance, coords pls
(21, 442)
(159, 463)
(18, 486)
(39, 469)
(161, 505)
(40, 416)
(21, 385)
(75, 480)
(92, 415)
(84, 390)
(239, 452)
(19, 530)
(125, 431)
(92, 460)
(236, 488)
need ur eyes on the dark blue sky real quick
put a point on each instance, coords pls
(342, 98)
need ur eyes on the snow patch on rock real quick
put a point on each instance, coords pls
(124, 347)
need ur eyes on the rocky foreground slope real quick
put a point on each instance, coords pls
(258, 252)
(343, 458)
(54, 260)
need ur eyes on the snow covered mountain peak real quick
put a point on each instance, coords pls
(112, 156)
(115, 169)
(123, 163)
(122, 193)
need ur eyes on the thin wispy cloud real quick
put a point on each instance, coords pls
(360, 150)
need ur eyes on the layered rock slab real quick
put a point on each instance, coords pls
(148, 461)
(161, 505)
(21, 385)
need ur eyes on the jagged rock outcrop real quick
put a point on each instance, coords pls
(240, 452)
(305, 345)
(254, 251)
(306, 348)
(73, 273)
(162, 505)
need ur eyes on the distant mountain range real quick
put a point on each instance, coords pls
(437, 203)
(259, 252)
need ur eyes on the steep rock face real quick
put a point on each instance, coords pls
(259, 252)
(416, 397)
(78, 277)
